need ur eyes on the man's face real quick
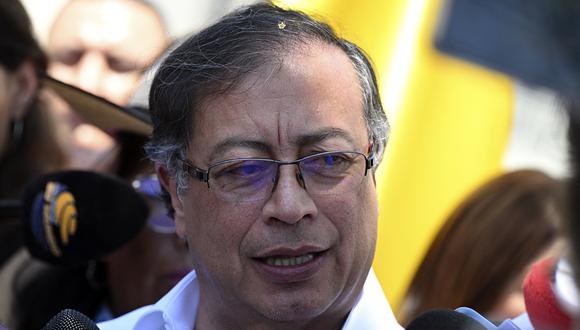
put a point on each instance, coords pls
(282, 113)
(104, 46)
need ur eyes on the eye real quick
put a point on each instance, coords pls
(68, 57)
(121, 65)
(241, 169)
(327, 164)
(330, 160)
(243, 176)
(333, 159)
(250, 169)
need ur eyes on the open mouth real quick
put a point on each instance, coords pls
(290, 266)
(289, 261)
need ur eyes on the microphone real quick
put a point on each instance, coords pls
(71, 217)
(464, 318)
(440, 319)
(9, 209)
(542, 305)
(69, 319)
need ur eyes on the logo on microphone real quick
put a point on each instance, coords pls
(54, 217)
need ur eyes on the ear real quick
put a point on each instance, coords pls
(169, 184)
(27, 84)
(373, 171)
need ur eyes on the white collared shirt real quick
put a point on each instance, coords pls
(177, 310)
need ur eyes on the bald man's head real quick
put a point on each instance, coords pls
(104, 46)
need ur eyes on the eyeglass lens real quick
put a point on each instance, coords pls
(255, 179)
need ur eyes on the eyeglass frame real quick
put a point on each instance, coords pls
(203, 175)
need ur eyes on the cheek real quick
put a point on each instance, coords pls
(120, 86)
(364, 226)
(215, 230)
(362, 207)
(66, 73)
(355, 217)
(130, 264)
(511, 306)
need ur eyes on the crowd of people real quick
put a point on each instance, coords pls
(258, 179)
(42, 134)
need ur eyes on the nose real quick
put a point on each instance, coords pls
(289, 202)
(90, 70)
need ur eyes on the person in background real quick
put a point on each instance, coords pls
(482, 253)
(145, 269)
(137, 274)
(102, 47)
(268, 129)
(29, 143)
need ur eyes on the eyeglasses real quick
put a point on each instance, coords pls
(254, 179)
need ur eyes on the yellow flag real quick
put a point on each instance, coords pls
(450, 124)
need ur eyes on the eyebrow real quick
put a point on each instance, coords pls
(228, 144)
(323, 134)
(260, 146)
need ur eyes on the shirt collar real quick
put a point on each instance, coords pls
(372, 310)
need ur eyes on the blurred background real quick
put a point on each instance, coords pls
(181, 16)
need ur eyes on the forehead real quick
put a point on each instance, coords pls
(105, 22)
(314, 89)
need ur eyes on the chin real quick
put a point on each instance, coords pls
(294, 307)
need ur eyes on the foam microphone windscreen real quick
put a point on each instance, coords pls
(541, 303)
(69, 319)
(71, 217)
(441, 319)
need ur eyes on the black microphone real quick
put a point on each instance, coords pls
(69, 319)
(441, 319)
(9, 209)
(72, 217)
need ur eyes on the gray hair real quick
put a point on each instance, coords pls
(219, 58)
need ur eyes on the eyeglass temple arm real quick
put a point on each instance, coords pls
(370, 159)
(370, 162)
(201, 175)
(197, 173)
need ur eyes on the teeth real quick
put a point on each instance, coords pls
(289, 261)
